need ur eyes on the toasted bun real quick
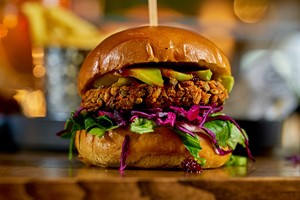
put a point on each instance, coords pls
(151, 44)
(159, 149)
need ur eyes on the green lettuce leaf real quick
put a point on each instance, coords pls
(226, 133)
(235, 160)
(192, 144)
(71, 146)
(142, 125)
(95, 126)
(236, 137)
(98, 126)
(73, 124)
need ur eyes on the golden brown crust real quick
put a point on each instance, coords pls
(151, 96)
(151, 44)
(160, 149)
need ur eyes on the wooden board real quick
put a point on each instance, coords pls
(39, 175)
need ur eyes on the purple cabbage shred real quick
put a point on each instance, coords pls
(78, 111)
(189, 121)
(125, 152)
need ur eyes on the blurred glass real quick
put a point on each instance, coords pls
(62, 65)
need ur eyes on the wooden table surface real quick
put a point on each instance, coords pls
(43, 175)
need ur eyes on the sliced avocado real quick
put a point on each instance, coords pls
(227, 82)
(123, 81)
(150, 76)
(179, 76)
(105, 80)
(204, 75)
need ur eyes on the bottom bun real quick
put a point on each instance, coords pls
(159, 149)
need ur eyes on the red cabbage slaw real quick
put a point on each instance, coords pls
(190, 121)
(125, 152)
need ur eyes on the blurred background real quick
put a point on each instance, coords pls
(43, 43)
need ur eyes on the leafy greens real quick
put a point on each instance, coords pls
(221, 129)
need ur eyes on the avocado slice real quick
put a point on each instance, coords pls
(123, 81)
(227, 82)
(105, 80)
(150, 76)
(179, 76)
(204, 75)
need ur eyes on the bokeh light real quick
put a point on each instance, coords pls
(33, 102)
(250, 11)
(39, 71)
(3, 31)
(10, 20)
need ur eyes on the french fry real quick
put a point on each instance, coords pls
(35, 14)
(60, 27)
(67, 19)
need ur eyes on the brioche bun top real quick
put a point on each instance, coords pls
(158, 44)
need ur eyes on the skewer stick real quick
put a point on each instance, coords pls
(152, 7)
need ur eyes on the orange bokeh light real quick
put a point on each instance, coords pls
(3, 31)
(10, 20)
(39, 71)
(250, 11)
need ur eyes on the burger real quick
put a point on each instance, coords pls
(152, 97)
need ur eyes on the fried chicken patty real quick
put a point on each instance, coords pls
(182, 94)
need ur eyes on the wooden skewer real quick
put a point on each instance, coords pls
(152, 6)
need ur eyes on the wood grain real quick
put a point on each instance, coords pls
(51, 176)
